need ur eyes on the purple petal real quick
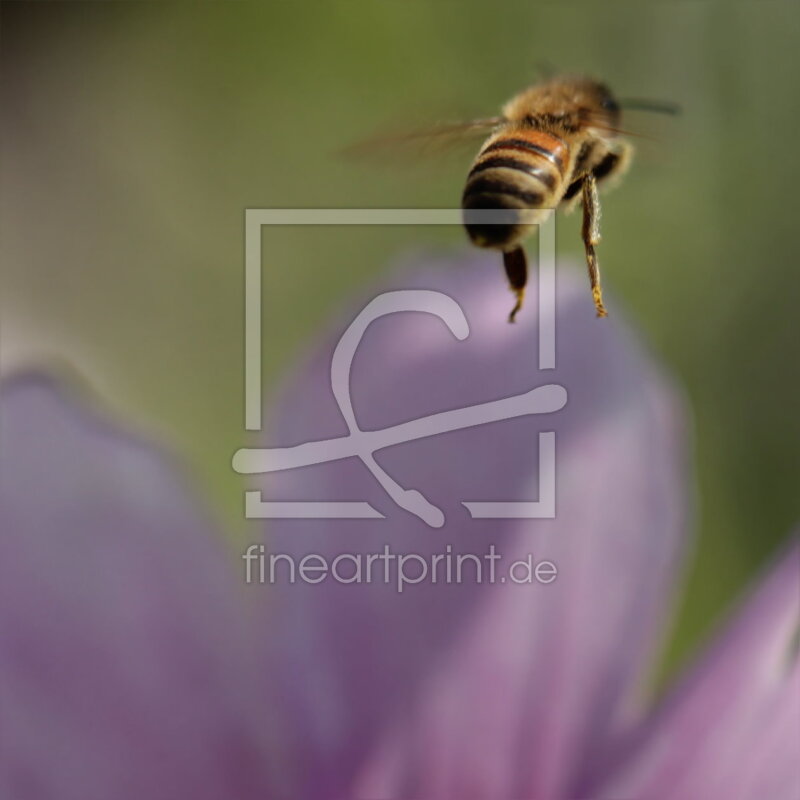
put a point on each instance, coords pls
(479, 690)
(125, 663)
(732, 727)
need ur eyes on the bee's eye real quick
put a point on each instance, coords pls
(609, 104)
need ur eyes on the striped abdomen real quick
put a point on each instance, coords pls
(523, 170)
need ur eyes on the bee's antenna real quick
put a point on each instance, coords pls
(658, 106)
(545, 69)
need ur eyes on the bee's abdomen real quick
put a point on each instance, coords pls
(520, 170)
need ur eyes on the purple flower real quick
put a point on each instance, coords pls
(128, 668)
(135, 661)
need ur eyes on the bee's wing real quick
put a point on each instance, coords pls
(423, 143)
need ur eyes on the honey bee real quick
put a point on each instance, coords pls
(551, 147)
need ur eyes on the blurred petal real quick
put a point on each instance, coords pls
(479, 690)
(732, 727)
(125, 666)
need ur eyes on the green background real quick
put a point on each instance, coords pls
(135, 135)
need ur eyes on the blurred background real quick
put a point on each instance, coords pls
(135, 135)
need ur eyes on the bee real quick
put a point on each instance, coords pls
(552, 146)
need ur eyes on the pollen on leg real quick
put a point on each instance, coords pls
(597, 295)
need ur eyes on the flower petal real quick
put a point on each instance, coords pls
(125, 661)
(732, 727)
(478, 690)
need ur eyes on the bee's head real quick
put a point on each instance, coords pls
(597, 103)
(580, 100)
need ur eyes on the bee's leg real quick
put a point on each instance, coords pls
(516, 266)
(591, 237)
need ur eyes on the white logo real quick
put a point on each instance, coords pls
(543, 399)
